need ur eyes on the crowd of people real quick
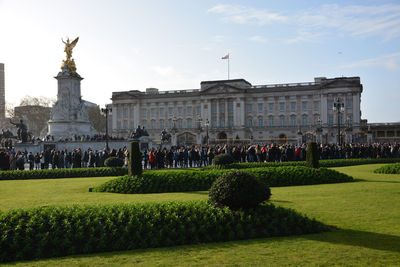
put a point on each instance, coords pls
(191, 156)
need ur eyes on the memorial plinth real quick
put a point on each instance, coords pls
(69, 116)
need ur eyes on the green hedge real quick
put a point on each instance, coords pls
(59, 231)
(62, 173)
(327, 163)
(389, 169)
(200, 180)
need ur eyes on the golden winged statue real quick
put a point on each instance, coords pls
(69, 61)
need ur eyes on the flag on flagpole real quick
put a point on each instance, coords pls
(225, 57)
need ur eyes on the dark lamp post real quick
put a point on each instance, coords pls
(106, 111)
(206, 124)
(338, 106)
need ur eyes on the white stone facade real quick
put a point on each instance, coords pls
(237, 110)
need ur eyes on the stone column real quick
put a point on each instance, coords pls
(218, 122)
(324, 109)
(136, 112)
(356, 108)
(235, 116)
(242, 113)
(226, 112)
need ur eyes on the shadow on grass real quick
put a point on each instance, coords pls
(360, 239)
(376, 181)
(197, 192)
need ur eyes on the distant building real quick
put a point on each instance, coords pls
(236, 110)
(2, 94)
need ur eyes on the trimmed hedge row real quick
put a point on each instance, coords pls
(327, 163)
(62, 173)
(389, 169)
(196, 180)
(59, 231)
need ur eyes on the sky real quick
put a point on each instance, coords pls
(176, 44)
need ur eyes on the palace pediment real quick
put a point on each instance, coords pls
(223, 89)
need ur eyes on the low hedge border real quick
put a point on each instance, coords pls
(201, 180)
(389, 169)
(327, 163)
(59, 231)
(62, 173)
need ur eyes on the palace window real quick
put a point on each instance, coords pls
(305, 107)
(282, 122)
(189, 123)
(260, 123)
(171, 111)
(189, 110)
(260, 107)
(162, 112)
(304, 121)
(349, 103)
(271, 107)
(179, 111)
(250, 123)
(249, 108)
(293, 106)
(162, 126)
(153, 112)
(281, 107)
(330, 104)
(293, 120)
(144, 113)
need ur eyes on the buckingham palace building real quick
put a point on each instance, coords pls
(237, 111)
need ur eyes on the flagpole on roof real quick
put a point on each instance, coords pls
(227, 57)
(228, 66)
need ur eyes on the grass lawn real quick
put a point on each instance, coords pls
(367, 213)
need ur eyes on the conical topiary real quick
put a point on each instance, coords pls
(312, 155)
(135, 159)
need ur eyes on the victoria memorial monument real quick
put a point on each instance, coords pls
(69, 116)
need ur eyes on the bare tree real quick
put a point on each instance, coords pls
(10, 109)
(97, 119)
(37, 101)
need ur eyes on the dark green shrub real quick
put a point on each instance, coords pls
(59, 231)
(389, 169)
(223, 160)
(238, 189)
(113, 162)
(327, 163)
(62, 173)
(312, 157)
(160, 181)
(135, 159)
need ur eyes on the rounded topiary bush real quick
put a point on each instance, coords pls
(113, 162)
(238, 189)
(223, 159)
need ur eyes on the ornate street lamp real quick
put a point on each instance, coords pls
(107, 111)
(206, 124)
(338, 106)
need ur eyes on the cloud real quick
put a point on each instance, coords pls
(259, 39)
(305, 36)
(356, 20)
(390, 62)
(351, 20)
(244, 15)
